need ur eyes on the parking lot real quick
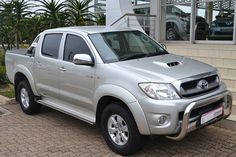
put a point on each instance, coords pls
(52, 133)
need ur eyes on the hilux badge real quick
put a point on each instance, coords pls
(202, 84)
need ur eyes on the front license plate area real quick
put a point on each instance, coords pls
(209, 116)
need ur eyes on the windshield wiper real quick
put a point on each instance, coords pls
(135, 56)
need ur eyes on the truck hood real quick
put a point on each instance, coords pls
(164, 68)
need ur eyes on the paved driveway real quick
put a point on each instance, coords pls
(52, 133)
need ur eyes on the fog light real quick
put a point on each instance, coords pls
(162, 120)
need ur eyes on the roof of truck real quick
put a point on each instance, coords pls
(90, 29)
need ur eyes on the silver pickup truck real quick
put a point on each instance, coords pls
(120, 79)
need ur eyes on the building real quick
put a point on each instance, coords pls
(204, 30)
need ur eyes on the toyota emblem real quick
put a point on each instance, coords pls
(202, 84)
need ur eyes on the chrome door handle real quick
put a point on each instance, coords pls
(38, 63)
(62, 68)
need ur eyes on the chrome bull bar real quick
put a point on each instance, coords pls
(187, 127)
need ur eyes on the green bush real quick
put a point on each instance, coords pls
(3, 78)
(1, 57)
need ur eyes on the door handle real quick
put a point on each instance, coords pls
(62, 68)
(39, 63)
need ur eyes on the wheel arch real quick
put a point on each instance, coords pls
(171, 23)
(22, 73)
(106, 96)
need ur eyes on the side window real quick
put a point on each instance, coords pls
(51, 45)
(74, 45)
(36, 39)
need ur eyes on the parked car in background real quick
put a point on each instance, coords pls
(121, 80)
(222, 27)
(178, 25)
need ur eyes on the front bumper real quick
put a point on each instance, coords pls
(187, 127)
(178, 127)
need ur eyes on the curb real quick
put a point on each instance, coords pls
(4, 100)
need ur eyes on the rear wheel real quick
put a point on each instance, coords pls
(26, 98)
(120, 131)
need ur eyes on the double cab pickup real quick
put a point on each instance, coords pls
(121, 80)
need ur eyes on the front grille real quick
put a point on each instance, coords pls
(201, 110)
(190, 89)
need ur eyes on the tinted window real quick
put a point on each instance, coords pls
(75, 45)
(36, 39)
(51, 45)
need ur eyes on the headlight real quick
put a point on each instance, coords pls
(159, 91)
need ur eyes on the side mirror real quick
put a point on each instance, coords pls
(83, 59)
(29, 51)
(163, 46)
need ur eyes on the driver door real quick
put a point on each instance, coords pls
(76, 81)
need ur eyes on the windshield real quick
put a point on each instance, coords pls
(125, 45)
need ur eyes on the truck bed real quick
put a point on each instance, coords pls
(15, 60)
(18, 51)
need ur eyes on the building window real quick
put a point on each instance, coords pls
(177, 19)
(214, 20)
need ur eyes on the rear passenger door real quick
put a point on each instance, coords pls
(76, 81)
(46, 65)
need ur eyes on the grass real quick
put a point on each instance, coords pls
(1, 56)
(7, 91)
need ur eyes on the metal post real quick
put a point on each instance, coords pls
(162, 20)
(193, 21)
(144, 23)
(234, 34)
(155, 9)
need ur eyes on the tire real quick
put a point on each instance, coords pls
(26, 98)
(129, 131)
(172, 33)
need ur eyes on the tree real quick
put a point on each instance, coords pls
(33, 25)
(53, 11)
(6, 37)
(12, 13)
(20, 11)
(6, 9)
(101, 19)
(78, 12)
(6, 22)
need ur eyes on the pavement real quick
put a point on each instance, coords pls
(52, 133)
(3, 100)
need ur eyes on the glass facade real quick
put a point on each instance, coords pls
(188, 20)
(213, 20)
(177, 21)
(219, 16)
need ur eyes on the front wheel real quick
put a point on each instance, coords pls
(172, 33)
(120, 131)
